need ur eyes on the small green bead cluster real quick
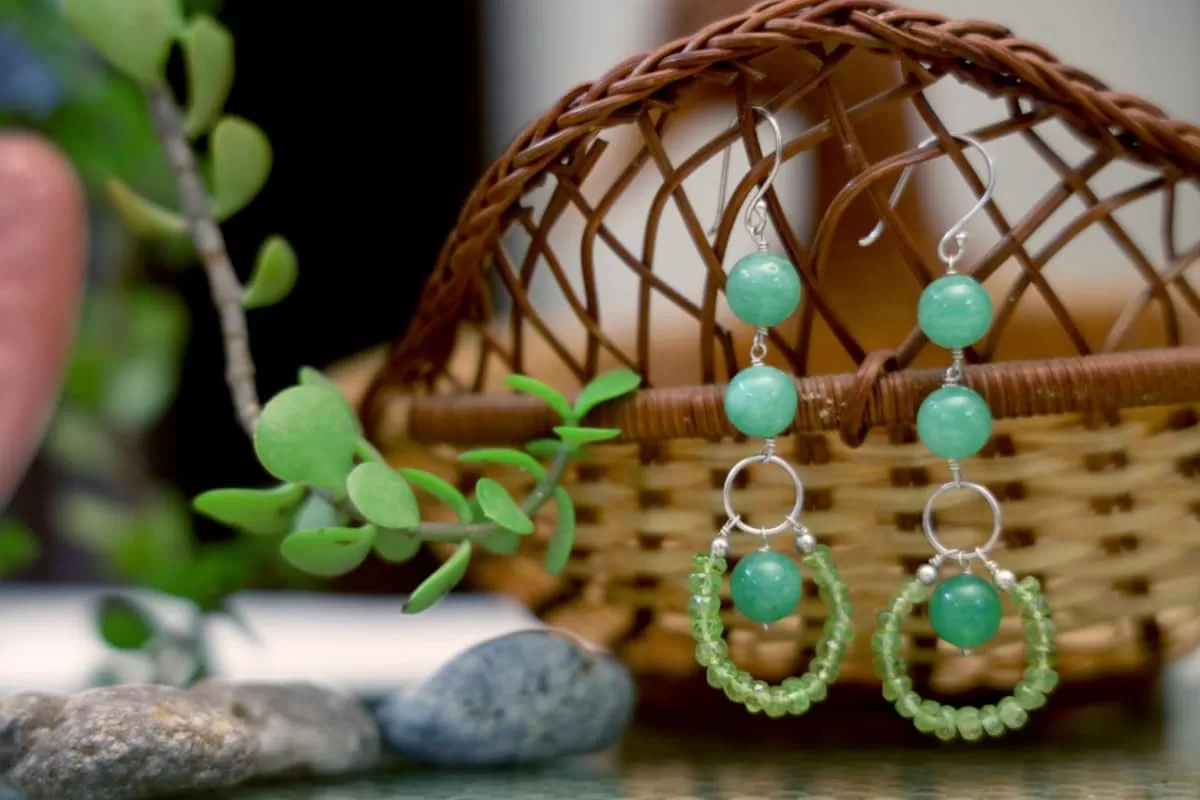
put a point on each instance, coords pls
(947, 722)
(794, 695)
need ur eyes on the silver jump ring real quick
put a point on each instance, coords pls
(950, 552)
(789, 522)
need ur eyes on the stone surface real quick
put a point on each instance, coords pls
(120, 743)
(965, 611)
(301, 728)
(954, 311)
(761, 401)
(763, 289)
(765, 586)
(525, 697)
(954, 422)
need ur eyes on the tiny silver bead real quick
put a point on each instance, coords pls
(720, 547)
(1004, 579)
(806, 542)
(927, 574)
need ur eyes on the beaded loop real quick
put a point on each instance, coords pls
(791, 521)
(948, 722)
(953, 553)
(795, 695)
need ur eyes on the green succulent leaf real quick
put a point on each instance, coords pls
(502, 455)
(123, 623)
(603, 388)
(317, 512)
(140, 215)
(501, 542)
(578, 437)
(383, 496)
(241, 162)
(558, 552)
(307, 435)
(498, 506)
(264, 512)
(396, 547)
(19, 548)
(547, 394)
(441, 489)
(443, 579)
(140, 389)
(544, 448)
(135, 36)
(274, 274)
(208, 54)
(310, 376)
(328, 552)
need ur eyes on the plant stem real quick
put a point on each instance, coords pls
(210, 244)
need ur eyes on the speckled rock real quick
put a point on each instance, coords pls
(121, 743)
(302, 729)
(520, 698)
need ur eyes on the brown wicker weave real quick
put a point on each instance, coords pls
(1097, 448)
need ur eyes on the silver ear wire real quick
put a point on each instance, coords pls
(756, 210)
(957, 232)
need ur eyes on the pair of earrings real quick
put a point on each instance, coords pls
(954, 422)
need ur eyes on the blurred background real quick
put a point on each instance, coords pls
(379, 132)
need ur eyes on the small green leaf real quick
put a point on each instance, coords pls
(328, 552)
(316, 512)
(558, 552)
(241, 159)
(135, 36)
(19, 548)
(308, 376)
(383, 497)
(547, 394)
(140, 390)
(94, 522)
(498, 506)
(578, 437)
(502, 543)
(123, 623)
(544, 448)
(440, 489)
(208, 54)
(307, 435)
(443, 579)
(502, 455)
(156, 319)
(265, 512)
(274, 274)
(396, 547)
(141, 216)
(603, 388)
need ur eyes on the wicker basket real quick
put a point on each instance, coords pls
(1096, 453)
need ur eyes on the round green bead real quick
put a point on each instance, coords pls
(965, 611)
(763, 289)
(765, 586)
(761, 401)
(954, 311)
(954, 422)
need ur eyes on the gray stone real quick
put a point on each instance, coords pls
(524, 697)
(121, 743)
(302, 729)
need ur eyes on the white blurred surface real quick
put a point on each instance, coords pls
(363, 644)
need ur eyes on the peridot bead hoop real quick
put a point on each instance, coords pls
(764, 290)
(954, 422)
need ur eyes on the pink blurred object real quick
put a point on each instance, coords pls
(43, 253)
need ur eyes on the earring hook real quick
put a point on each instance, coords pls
(756, 209)
(957, 232)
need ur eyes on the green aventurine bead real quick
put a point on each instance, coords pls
(763, 289)
(954, 311)
(965, 611)
(765, 586)
(761, 401)
(954, 422)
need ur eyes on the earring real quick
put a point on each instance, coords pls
(763, 289)
(954, 422)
